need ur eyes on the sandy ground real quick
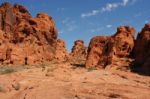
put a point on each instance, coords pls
(64, 81)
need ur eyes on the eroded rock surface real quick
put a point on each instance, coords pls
(25, 40)
(61, 51)
(78, 53)
(142, 50)
(63, 81)
(95, 50)
(111, 51)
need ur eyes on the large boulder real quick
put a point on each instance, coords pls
(78, 53)
(142, 50)
(111, 51)
(96, 50)
(26, 40)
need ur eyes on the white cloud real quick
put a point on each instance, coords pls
(61, 32)
(107, 8)
(60, 9)
(146, 21)
(133, 1)
(68, 22)
(108, 26)
(71, 28)
(96, 30)
(94, 12)
(68, 25)
(137, 15)
(125, 2)
(64, 21)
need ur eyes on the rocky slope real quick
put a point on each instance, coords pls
(63, 81)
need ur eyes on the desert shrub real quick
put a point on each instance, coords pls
(50, 69)
(91, 69)
(43, 65)
(78, 65)
(7, 70)
(1, 89)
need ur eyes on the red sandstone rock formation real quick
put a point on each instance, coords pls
(79, 52)
(61, 52)
(113, 50)
(142, 50)
(95, 50)
(25, 40)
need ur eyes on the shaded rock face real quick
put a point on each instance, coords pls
(61, 51)
(142, 50)
(95, 50)
(25, 40)
(79, 52)
(106, 51)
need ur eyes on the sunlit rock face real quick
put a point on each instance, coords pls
(23, 39)
(78, 53)
(61, 54)
(111, 51)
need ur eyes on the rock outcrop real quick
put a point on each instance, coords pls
(95, 50)
(142, 50)
(28, 40)
(61, 51)
(79, 52)
(111, 51)
(25, 40)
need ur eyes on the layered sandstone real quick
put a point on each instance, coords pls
(104, 51)
(25, 40)
(142, 50)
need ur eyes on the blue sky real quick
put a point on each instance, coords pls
(83, 19)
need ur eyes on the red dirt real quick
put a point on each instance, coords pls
(64, 81)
